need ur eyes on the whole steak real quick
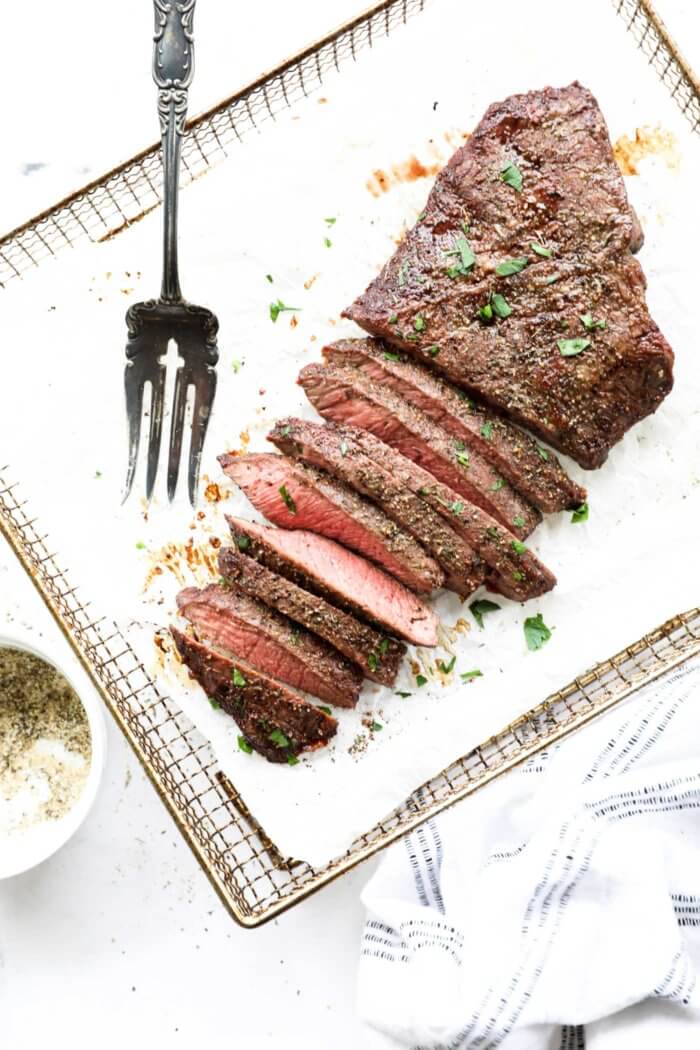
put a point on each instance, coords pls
(518, 281)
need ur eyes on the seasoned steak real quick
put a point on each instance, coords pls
(325, 568)
(379, 657)
(348, 395)
(324, 446)
(512, 569)
(298, 497)
(251, 631)
(275, 721)
(534, 471)
(518, 282)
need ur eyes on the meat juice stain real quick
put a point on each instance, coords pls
(647, 142)
(413, 169)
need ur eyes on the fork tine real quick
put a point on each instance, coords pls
(182, 381)
(133, 388)
(156, 430)
(205, 388)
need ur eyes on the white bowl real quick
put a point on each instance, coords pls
(25, 850)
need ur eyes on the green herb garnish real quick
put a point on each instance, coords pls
(467, 675)
(237, 678)
(394, 319)
(519, 521)
(292, 759)
(289, 502)
(511, 266)
(376, 726)
(542, 453)
(391, 357)
(403, 270)
(384, 646)
(485, 313)
(419, 324)
(446, 668)
(467, 258)
(326, 710)
(328, 242)
(243, 543)
(487, 431)
(518, 576)
(421, 680)
(236, 366)
(330, 222)
(286, 430)
(512, 176)
(98, 473)
(214, 703)
(457, 507)
(404, 696)
(539, 249)
(498, 485)
(536, 632)
(243, 745)
(433, 350)
(278, 738)
(279, 307)
(480, 608)
(589, 322)
(373, 661)
(462, 458)
(572, 347)
(552, 278)
(580, 513)
(140, 546)
(518, 546)
(500, 306)
(492, 531)
(268, 277)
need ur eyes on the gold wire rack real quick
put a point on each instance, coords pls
(253, 880)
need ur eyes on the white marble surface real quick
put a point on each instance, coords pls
(119, 940)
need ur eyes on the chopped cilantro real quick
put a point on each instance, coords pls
(466, 676)
(542, 453)
(292, 759)
(487, 431)
(278, 738)
(140, 546)
(421, 680)
(330, 222)
(498, 485)
(519, 521)
(214, 703)
(391, 357)
(279, 307)
(243, 543)
(536, 632)
(237, 678)
(419, 323)
(500, 307)
(403, 696)
(518, 546)
(590, 324)
(518, 576)
(376, 726)
(511, 266)
(289, 502)
(286, 430)
(236, 366)
(243, 745)
(485, 313)
(326, 710)
(580, 513)
(394, 319)
(462, 248)
(433, 350)
(463, 459)
(98, 473)
(539, 249)
(512, 176)
(457, 507)
(446, 668)
(552, 278)
(384, 646)
(328, 242)
(572, 347)
(268, 277)
(492, 531)
(373, 661)
(480, 608)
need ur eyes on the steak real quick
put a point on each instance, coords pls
(325, 568)
(298, 497)
(518, 282)
(251, 631)
(378, 656)
(513, 570)
(267, 713)
(533, 471)
(325, 446)
(348, 395)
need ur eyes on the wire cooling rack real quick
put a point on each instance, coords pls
(253, 880)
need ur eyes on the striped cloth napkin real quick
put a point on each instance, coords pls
(558, 908)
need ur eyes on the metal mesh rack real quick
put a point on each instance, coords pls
(254, 881)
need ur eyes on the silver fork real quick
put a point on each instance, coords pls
(152, 325)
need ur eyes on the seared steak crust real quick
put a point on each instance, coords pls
(341, 577)
(378, 656)
(259, 704)
(535, 472)
(573, 205)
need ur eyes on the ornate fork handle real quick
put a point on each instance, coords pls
(173, 68)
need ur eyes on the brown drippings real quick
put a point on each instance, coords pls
(647, 142)
(407, 171)
(461, 626)
(183, 560)
(311, 281)
(212, 493)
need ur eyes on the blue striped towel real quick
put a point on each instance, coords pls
(557, 908)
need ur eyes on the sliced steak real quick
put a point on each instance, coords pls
(512, 569)
(323, 445)
(379, 657)
(251, 631)
(267, 713)
(298, 497)
(347, 395)
(564, 345)
(534, 471)
(325, 568)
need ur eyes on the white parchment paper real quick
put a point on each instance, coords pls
(352, 152)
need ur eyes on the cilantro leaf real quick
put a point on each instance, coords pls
(326, 710)
(572, 347)
(237, 678)
(376, 726)
(500, 307)
(243, 745)
(466, 676)
(590, 324)
(480, 608)
(580, 513)
(518, 547)
(539, 249)
(421, 680)
(536, 632)
(511, 266)
(278, 738)
(512, 176)
(288, 500)
(403, 696)
(279, 307)
(446, 668)
(214, 703)
(243, 543)
(487, 431)
(419, 323)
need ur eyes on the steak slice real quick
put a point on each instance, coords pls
(347, 395)
(325, 446)
(533, 471)
(378, 656)
(580, 396)
(267, 712)
(251, 631)
(298, 497)
(513, 570)
(325, 568)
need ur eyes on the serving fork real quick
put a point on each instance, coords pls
(153, 325)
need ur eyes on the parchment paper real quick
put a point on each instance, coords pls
(352, 152)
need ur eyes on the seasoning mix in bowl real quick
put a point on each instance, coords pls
(51, 757)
